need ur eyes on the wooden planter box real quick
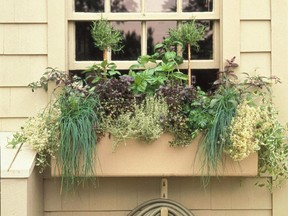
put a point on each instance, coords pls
(159, 159)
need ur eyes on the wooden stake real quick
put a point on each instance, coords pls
(189, 68)
(18, 150)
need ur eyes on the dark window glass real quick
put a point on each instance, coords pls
(85, 49)
(161, 6)
(204, 78)
(197, 6)
(125, 5)
(205, 51)
(89, 5)
(156, 32)
(132, 40)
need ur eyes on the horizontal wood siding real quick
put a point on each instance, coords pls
(116, 196)
(23, 59)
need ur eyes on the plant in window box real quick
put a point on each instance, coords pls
(105, 38)
(146, 103)
(188, 34)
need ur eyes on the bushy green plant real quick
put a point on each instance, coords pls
(199, 114)
(115, 96)
(223, 105)
(78, 137)
(153, 99)
(105, 36)
(42, 133)
(144, 123)
(188, 33)
(149, 74)
(273, 153)
(177, 97)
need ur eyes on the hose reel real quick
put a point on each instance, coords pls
(162, 206)
(159, 207)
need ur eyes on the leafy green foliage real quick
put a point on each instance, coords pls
(144, 123)
(177, 97)
(273, 154)
(42, 133)
(115, 96)
(78, 138)
(105, 36)
(103, 70)
(224, 105)
(157, 73)
(150, 100)
(188, 33)
(199, 114)
(51, 74)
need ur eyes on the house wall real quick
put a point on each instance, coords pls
(23, 58)
(33, 36)
(118, 196)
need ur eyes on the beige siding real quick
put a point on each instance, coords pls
(256, 63)
(229, 196)
(24, 38)
(26, 68)
(23, 11)
(256, 9)
(255, 36)
(11, 124)
(23, 59)
(21, 102)
(1, 39)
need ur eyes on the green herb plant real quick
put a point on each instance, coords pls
(106, 37)
(153, 71)
(144, 123)
(223, 106)
(177, 97)
(188, 34)
(78, 137)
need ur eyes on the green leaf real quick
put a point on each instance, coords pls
(158, 46)
(180, 75)
(213, 102)
(169, 56)
(112, 73)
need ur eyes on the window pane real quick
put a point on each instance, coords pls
(85, 49)
(89, 5)
(160, 5)
(125, 6)
(197, 5)
(206, 46)
(156, 32)
(132, 40)
(204, 78)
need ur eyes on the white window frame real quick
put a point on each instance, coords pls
(179, 16)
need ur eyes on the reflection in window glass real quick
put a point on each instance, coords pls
(197, 5)
(160, 5)
(125, 6)
(132, 40)
(206, 46)
(85, 49)
(204, 78)
(89, 5)
(156, 32)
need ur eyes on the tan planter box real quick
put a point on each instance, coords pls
(159, 159)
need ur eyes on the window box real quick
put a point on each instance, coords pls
(159, 159)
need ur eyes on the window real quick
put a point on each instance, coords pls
(144, 23)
